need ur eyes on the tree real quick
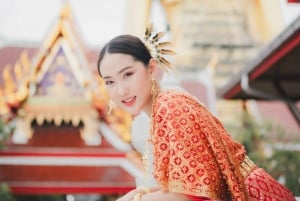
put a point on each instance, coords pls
(5, 193)
(279, 163)
(5, 130)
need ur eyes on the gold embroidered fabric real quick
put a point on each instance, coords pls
(194, 154)
(247, 166)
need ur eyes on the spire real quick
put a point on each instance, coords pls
(65, 11)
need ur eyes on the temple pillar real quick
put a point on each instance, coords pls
(137, 16)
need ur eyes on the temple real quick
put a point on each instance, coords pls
(62, 141)
(234, 57)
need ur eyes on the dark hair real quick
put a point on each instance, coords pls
(126, 44)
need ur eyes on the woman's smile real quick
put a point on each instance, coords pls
(129, 101)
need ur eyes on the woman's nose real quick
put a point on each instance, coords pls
(122, 89)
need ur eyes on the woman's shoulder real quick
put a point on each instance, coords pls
(172, 99)
(173, 95)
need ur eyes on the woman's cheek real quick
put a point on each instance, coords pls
(111, 93)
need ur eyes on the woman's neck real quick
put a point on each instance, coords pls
(148, 108)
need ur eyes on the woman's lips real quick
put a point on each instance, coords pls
(129, 101)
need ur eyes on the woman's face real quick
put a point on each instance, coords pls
(128, 81)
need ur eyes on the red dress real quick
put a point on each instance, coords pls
(194, 155)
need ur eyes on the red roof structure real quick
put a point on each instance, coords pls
(274, 76)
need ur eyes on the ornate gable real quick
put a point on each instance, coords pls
(58, 106)
(57, 85)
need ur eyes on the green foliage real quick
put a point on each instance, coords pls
(5, 130)
(253, 136)
(40, 198)
(287, 163)
(51, 198)
(5, 194)
(249, 133)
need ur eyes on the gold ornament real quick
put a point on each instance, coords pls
(156, 48)
(137, 197)
(111, 106)
(154, 88)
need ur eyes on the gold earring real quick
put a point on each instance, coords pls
(153, 87)
(111, 106)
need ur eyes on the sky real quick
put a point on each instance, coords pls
(27, 21)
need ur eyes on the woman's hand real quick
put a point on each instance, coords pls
(164, 196)
(143, 194)
(131, 194)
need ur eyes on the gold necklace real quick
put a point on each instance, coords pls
(145, 158)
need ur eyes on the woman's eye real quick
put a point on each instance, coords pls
(109, 82)
(128, 74)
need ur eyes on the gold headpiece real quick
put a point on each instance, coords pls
(156, 48)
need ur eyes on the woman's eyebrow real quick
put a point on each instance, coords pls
(121, 71)
(124, 69)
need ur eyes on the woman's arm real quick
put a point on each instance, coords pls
(135, 193)
(164, 196)
(142, 194)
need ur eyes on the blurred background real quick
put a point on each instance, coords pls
(238, 57)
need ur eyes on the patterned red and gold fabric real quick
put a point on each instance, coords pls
(195, 155)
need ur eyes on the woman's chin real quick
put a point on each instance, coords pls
(133, 110)
(134, 113)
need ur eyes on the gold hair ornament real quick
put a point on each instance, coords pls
(138, 196)
(158, 49)
(111, 106)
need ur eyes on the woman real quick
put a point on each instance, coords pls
(194, 158)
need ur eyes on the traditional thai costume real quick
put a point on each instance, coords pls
(195, 155)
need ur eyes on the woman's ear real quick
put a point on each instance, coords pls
(152, 65)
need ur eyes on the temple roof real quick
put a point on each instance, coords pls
(57, 105)
(273, 75)
(274, 71)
